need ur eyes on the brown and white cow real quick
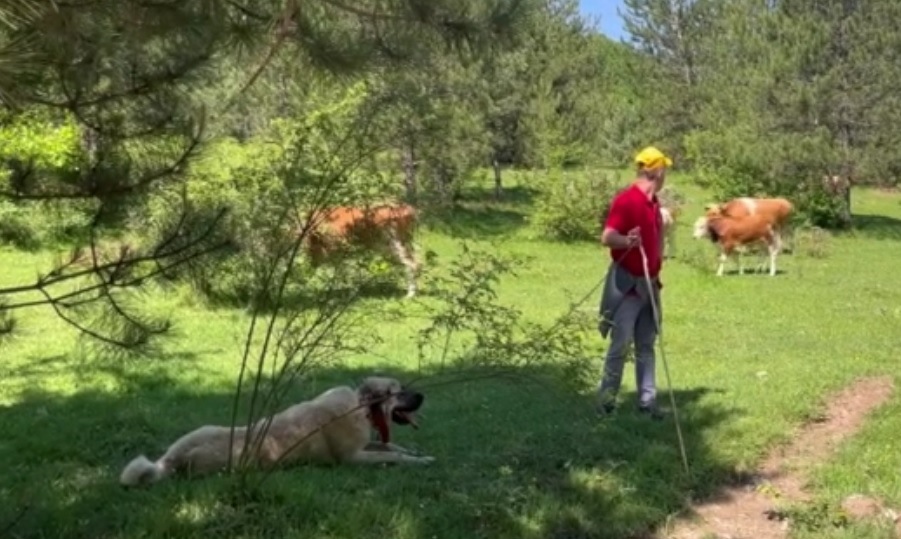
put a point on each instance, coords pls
(776, 211)
(732, 234)
(387, 227)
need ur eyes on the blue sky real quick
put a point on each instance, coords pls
(611, 24)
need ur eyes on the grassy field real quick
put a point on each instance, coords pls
(751, 357)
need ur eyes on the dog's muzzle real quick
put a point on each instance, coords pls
(407, 404)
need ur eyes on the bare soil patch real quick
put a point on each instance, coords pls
(743, 511)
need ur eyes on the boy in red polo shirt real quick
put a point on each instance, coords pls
(626, 311)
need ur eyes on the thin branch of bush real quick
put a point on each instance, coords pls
(311, 341)
(502, 342)
(293, 343)
(510, 348)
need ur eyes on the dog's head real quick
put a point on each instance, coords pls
(386, 398)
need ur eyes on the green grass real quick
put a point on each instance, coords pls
(514, 459)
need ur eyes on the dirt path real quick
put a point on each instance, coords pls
(740, 512)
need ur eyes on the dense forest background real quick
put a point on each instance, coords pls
(195, 132)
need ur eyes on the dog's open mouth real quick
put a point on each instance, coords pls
(403, 417)
(403, 413)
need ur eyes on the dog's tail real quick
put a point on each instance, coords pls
(142, 470)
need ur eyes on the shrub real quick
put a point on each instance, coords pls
(243, 179)
(324, 157)
(571, 205)
(48, 147)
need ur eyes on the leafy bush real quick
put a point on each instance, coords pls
(48, 146)
(819, 207)
(240, 178)
(46, 142)
(571, 205)
(472, 333)
(268, 184)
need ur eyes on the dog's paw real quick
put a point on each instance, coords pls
(425, 460)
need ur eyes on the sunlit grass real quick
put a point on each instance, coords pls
(751, 357)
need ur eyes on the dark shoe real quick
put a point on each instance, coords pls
(605, 409)
(605, 402)
(652, 411)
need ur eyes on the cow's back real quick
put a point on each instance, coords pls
(352, 223)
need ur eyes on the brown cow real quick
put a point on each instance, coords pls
(732, 234)
(372, 228)
(776, 211)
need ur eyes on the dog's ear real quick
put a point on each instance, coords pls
(371, 392)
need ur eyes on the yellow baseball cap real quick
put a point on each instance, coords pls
(651, 157)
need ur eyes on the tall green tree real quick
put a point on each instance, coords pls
(796, 92)
(130, 72)
(675, 34)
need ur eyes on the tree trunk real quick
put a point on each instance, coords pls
(684, 49)
(498, 185)
(408, 163)
(846, 133)
(444, 181)
(847, 174)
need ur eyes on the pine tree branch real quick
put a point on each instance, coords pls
(114, 275)
(247, 11)
(144, 86)
(374, 15)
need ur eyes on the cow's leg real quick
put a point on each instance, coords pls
(777, 232)
(753, 250)
(722, 266)
(775, 248)
(763, 257)
(407, 258)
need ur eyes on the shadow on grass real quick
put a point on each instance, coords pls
(701, 261)
(476, 220)
(99, 363)
(304, 292)
(751, 272)
(297, 298)
(476, 214)
(515, 458)
(877, 227)
(518, 195)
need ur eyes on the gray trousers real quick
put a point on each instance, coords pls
(634, 322)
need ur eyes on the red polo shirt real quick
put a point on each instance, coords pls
(632, 208)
